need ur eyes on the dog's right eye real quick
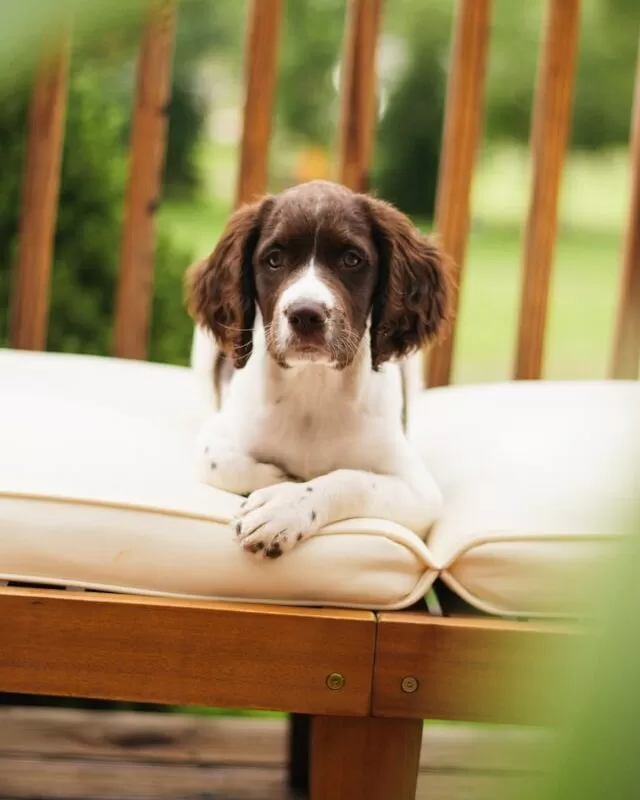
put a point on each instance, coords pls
(275, 258)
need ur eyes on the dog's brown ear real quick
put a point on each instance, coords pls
(413, 299)
(221, 290)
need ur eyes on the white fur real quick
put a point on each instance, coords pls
(312, 445)
(309, 286)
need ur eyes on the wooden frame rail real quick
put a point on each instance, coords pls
(367, 679)
(158, 650)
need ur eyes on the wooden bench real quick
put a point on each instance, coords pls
(366, 680)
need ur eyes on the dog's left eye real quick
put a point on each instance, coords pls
(275, 259)
(351, 259)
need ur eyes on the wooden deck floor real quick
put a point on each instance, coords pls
(89, 755)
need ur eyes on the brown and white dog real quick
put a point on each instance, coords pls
(305, 308)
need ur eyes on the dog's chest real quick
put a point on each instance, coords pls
(308, 440)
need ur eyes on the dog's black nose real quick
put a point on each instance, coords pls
(307, 317)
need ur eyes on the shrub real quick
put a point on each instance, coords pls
(87, 241)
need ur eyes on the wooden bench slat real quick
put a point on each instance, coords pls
(485, 670)
(358, 93)
(551, 124)
(40, 190)
(172, 738)
(626, 349)
(261, 54)
(76, 780)
(460, 140)
(147, 150)
(185, 652)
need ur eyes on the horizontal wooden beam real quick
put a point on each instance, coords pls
(185, 652)
(58, 753)
(485, 670)
(136, 737)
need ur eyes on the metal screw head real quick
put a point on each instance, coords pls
(335, 681)
(409, 684)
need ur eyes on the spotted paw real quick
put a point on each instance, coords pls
(274, 520)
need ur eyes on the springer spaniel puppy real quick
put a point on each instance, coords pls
(304, 309)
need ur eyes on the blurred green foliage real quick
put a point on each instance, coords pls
(210, 36)
(307, 99)
(408, 144)
(88, 228)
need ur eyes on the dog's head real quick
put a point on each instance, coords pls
(322, 264)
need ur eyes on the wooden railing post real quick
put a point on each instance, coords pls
(626, 348)
(460, 141)
(147, 150)
(549, 136)
(359, 93)
(40, 189)
(261, 58)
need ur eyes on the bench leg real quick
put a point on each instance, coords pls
(364, 758)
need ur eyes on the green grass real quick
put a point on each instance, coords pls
(586, 270)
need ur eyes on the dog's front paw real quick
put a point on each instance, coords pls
(273, 520)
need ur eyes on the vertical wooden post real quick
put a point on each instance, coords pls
(40, 189)
(626, 348)
(364, 758)
(261, 57)
(359, 93)
(147, 150)
(549, 136)
(460, 140)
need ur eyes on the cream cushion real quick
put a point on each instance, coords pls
(541, 479)
(97, 490)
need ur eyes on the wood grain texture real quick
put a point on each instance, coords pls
(163, 738)
(460, 140)
(146, 163)
(364, 758)
(184, 652)
(80, 780)
(551, 125)
(485, 670)
(359, 94)
(40, 189)
(261, 60)
(28, 779)
(626, 347)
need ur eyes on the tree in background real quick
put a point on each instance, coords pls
(408, 143)
(205, 30)
(604, 81)
(307, 98)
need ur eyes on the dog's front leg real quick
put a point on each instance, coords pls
(222, 462)
(273, 520)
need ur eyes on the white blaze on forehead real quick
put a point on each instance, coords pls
(309, 286)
